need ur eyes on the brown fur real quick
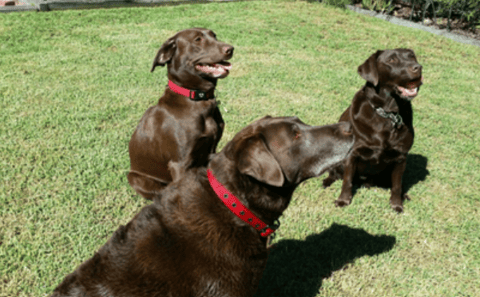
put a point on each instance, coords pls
(381, 148)
(188, 243)
(178, 130)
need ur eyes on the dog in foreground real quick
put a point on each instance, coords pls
(206, 234)
(184, 128)
(382, 122)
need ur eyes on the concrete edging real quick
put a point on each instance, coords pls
(48, 5)
(27, 7)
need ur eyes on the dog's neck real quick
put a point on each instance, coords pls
(195, 95)
(253, 194)
(238, 208)
(386, 98)
(382, 97)
(194, 82)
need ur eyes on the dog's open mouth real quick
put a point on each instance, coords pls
(217, 70)
(411, 89)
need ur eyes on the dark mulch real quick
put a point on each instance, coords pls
(11, 3)
(403, 10)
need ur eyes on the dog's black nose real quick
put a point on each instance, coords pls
(416, 68)
(228, 50)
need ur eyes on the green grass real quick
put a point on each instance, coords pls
(74, 84)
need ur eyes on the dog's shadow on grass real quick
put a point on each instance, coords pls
(297, 267)
(415, 172)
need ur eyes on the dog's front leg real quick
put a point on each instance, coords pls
(217, 116)
(349, 171)
(198, 156)
(396, 199)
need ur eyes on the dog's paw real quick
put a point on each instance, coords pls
(397, 202)
(367, 185)
(342, 202)
(328, 182)
(211, 156)
(398, 208)
(176, 170)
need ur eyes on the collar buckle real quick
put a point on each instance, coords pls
(195, 95)
(396, 118)
(198, 95)
(270, 229)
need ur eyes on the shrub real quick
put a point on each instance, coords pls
(463, 10)
(337, 3)
(378, 5)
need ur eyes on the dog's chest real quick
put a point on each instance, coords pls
(398, 139)
(198, 118)
(387, 146)
(207, 122)
(382, 133)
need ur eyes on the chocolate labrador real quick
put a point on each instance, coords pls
(207, 235)
(381, 118)
(184, 128)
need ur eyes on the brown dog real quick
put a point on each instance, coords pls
(381, 117)
(207, 235)
(185, 126)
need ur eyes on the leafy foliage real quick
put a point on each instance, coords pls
(463, 10)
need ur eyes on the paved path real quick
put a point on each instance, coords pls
(17, 5)
(46, 5)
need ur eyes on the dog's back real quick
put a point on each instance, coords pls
(116, 267)
(176, 246)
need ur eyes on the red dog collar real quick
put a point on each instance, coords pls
(196, 95)
(239, 209)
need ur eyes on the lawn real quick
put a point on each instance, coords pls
(74, 84)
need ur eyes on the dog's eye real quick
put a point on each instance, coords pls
(392, 60)
(297, 135)
(198, 39)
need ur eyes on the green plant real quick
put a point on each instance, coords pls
(377, 5)
(467, 10)
(338, 3)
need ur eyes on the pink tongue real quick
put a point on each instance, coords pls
(215, 69)
(225, 67)
(413, 85)
(408, 92)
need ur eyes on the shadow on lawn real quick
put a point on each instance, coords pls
(297, 267)
(415, 172)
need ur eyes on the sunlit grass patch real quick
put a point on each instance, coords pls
(74, 84)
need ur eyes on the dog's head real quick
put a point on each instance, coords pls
(396, 70)
(285, 151)
(194, 57)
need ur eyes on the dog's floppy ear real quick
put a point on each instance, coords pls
(165, 53)
(368, 70)
(256, 160)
